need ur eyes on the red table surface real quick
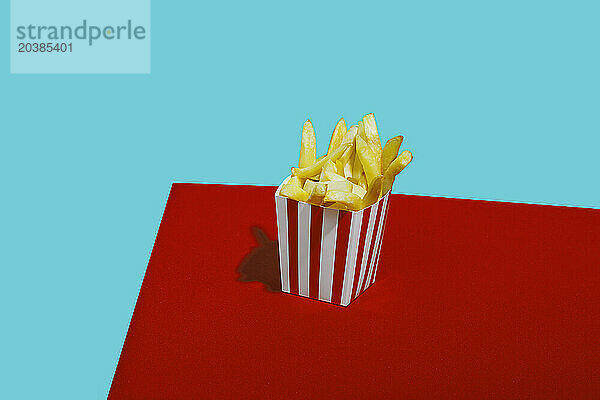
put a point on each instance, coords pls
(473, 299)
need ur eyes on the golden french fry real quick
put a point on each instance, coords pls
(308, 185)
(361, 130)
(373, 192)
(340, 186)
(390, 151)
(340, 167)
(294, 192)
(328, 168)
(347, 154)
(349, 165)
(322, 175)
(357, 168)
(368, 159)
(358, 190)
(350, 200)
(322, 157)
(371, 135)
(367, 129)
(362, 181)
(337, 136)
(315, 168)
(332, 176)
(347, 159)
(294, 180)
(343, 185)
(350, 134)
(394, 169)
(318, 194)
(308, 145)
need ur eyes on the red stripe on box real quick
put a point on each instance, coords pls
(316, 227)
(372, 248)
(387, 210)
(376, 250)
(292, 214)
(341, 249)
(361, 245)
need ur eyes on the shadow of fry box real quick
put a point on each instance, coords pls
(328, 254)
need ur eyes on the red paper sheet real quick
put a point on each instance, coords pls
(473, 299)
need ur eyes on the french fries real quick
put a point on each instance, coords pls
(371, 134)
(390, 151)
(337, 136)
(394, 169)
(308, 145)
(340, 186)
(350, 200)
(293, 190)
(368, 158)
(350, 134)
(354, 174)
(317, 194)
(312, 170)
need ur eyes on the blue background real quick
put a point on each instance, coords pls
(497, 101)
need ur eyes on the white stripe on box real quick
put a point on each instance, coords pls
(381, 240)
(351, 254)
(303, 248)
(367, 246)
(376, 245)
(282, 230)
(328, 241)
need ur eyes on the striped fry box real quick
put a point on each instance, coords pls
(327, 254)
